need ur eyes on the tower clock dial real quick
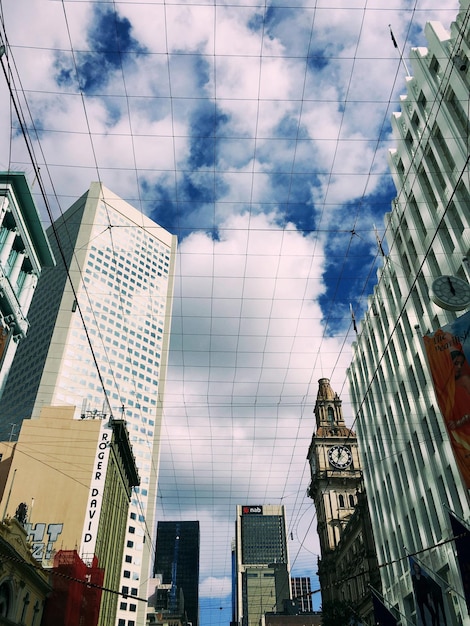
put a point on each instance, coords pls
(340, 457)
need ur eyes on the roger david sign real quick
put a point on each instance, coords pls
(95, 498)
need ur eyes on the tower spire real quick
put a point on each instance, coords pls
(328, 411)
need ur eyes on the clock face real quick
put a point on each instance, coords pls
(451, 293)
(340, 457)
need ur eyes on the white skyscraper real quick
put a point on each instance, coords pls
(409, 469)
(98, 340)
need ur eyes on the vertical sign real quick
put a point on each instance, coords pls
(95, 497)
(448, 353)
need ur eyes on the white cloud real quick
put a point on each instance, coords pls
(215, 587)
(267, 273)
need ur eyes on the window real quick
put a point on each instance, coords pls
(25, 608)
(457, 110)
(36, 610)
(416, 213)
(435, 168)
(427, 188)
(341, 501)
(409, 140)
(453, 214)
(443, 149)
(422, 100)
(330, 414)
(434, 65)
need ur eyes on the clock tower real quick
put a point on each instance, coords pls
(334, 468)
(344, 527)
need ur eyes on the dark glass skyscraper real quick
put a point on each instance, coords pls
(262, 582)
(177, 561)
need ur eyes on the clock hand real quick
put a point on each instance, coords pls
(451, 286)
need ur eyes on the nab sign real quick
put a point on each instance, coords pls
(252, 510)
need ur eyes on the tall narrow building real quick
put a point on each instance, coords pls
(177, 564)
(410, 473)
(98, 341)
(262, 563)
(347, 566)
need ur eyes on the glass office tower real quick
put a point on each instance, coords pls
(262, 577)
(177, 562)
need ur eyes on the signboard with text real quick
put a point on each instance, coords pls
(252, 510)
(95, 497)
(448, 353)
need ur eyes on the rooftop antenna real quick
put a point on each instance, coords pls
(394, 41)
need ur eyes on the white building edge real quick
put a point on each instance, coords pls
(409, 471)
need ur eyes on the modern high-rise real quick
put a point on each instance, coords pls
(261, 561)
(177, 563)
(301, 589)
(98, 341)
(409, 470)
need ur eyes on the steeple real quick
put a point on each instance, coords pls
(328, 412)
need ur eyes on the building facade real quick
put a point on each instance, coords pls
(24, 251)
(99, 338)
(301, 591)
(177, 566)
(262, 576)
(24, 585)
(287, 619)
(347, 566)
(410, 474)
(74, 478)
(334, 468)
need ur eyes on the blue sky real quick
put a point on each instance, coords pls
(258, 133)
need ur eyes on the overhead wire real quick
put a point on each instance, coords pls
(187, 413)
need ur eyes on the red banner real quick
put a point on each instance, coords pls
(448, 352)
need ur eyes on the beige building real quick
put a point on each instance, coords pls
(75, 476)
(23, 585)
